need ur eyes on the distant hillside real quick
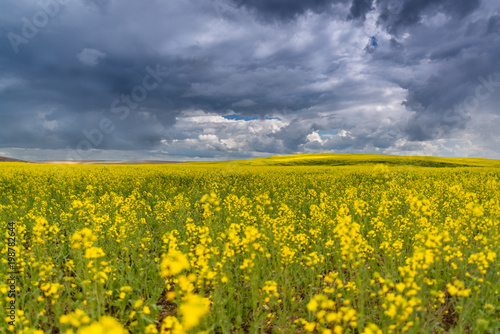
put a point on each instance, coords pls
(103, 162)
(340, 159)
(314, 159)
(5, 159)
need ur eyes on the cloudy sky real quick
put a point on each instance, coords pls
(232, 79)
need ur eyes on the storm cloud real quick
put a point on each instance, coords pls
(158, 80)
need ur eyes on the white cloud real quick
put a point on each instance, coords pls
(208, 138)
(90, 57)
(206, 135)
(312, 137)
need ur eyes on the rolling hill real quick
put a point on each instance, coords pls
(341, 159)
(313, 159)
(6, 159)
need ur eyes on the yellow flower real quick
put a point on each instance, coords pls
(126, 289)
(93, 253)
(30, 331)
(105, 325)
(309, 326)
(172, 325)
(192, 309)
(101, 276)
(312, 305)
(50, 288)
(150, 329)
(173, 263)
(76, 318)
(372, 329)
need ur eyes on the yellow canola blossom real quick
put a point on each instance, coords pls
(173, 263)
(105, 325)
(76, 318)
(192, 309)
(94, 253)
(318, 244)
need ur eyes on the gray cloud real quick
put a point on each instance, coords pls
(494, 25)
(301, 61)
(286, 10)
(90, 57)
(359, 9)
(398, 16)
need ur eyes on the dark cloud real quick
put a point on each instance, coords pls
(399, 15)
(454, 91)
(99, 3)
(359, 8)
(286, 10)
(494, 25)
(383, 71)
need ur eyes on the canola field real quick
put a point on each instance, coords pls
(318, 245)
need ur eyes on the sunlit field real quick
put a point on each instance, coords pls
(312, 243)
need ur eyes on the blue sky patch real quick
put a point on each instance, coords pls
(237, 117)
(328, 133)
